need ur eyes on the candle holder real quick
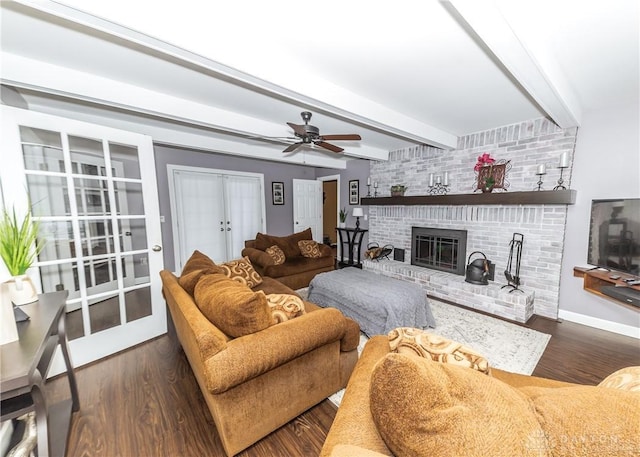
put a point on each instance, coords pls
(539, 175)
(375, 189)
(560, 185)
(439, 189)
(368, 190)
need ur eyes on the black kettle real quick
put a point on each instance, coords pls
(478, 270)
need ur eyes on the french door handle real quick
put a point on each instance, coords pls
(156, 248)
(229, 229)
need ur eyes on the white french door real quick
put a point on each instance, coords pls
(307, 207)
(93, 189)
(214, 211)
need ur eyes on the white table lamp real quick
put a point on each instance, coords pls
(357, 213)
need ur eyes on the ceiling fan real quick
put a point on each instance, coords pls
(310, 134)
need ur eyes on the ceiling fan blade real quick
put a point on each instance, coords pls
(328, 146)
(292, 147)
(299, 129)
(353, 136)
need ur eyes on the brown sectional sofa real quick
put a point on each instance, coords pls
(576, 420)
(255, 383)
(297, 271)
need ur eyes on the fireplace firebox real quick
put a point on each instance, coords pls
(439, 249)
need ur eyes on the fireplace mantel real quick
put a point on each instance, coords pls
(545, 197)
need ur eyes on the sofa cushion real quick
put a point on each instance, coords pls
(450, 411)
(586, 420)
(309, 249)
(295, 265)
(242, 271)
(285, 307)
(276, 254)
(232, 307)
(196, 266)
(624, 379)
(409, 340)
(456, 411)
(288, 244)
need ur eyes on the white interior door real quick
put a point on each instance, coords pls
(94, 192)
(307, 207)
(198, 215)
(214, 211)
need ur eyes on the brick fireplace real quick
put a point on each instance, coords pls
(489, 228)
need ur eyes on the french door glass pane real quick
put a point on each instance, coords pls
(140, 265)
(101, 272)
(128, 156)
(136, 231)
(129, 198)
(104, 313)
(42, 150)
(57, 238)
(97, 237)
(60, 277)
(88, 154)
(92, 197)
(74, 322)
(138, 303)
(48, 195)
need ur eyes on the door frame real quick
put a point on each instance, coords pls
(335, 178)
(171, 169)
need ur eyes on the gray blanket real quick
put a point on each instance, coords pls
(378, 303)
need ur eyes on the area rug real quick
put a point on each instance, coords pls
(506, 346)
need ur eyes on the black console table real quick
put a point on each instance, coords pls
(25, 364)
(350, 241)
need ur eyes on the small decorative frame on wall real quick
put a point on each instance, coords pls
(354, 192)
(277, 193)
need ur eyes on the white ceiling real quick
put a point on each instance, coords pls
(409, 72)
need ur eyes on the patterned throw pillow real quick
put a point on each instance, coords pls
(285, 307)
(409, 340)
(276, 254)
(242, 271)
(309, 248)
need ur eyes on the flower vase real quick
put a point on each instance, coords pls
(8, 327)
(22, 290)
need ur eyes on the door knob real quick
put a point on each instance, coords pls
(229, 229)
(156, 248)
(221, 229)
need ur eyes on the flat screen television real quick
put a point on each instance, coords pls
(614, 235)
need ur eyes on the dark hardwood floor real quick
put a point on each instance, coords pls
(146, 402)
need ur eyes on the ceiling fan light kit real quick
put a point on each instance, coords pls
(310, 134)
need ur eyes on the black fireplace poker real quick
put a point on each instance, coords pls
(515, 250)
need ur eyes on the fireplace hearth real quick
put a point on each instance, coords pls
(439, 249)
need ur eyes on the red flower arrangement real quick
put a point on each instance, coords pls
(484, 160)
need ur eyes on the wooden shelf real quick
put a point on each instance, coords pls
(595, 279)
(545, 197)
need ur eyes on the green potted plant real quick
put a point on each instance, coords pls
(343, 218)
(398, 190)
(19, 248)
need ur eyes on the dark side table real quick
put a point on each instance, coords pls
(350, 241)
(24, 366)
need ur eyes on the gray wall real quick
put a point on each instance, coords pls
(606, 165)
(279, 218)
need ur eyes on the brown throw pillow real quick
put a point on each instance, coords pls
(276, 254)
(310, 249)
(288, 244)
(423, 408)
(285, 307)
(232, 307)
(242, 271)
(408, 340)
(197, 266)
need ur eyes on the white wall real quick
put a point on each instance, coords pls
(606, 165)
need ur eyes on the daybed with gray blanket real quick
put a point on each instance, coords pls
(378, 303)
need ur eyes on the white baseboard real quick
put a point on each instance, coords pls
(602, 324)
